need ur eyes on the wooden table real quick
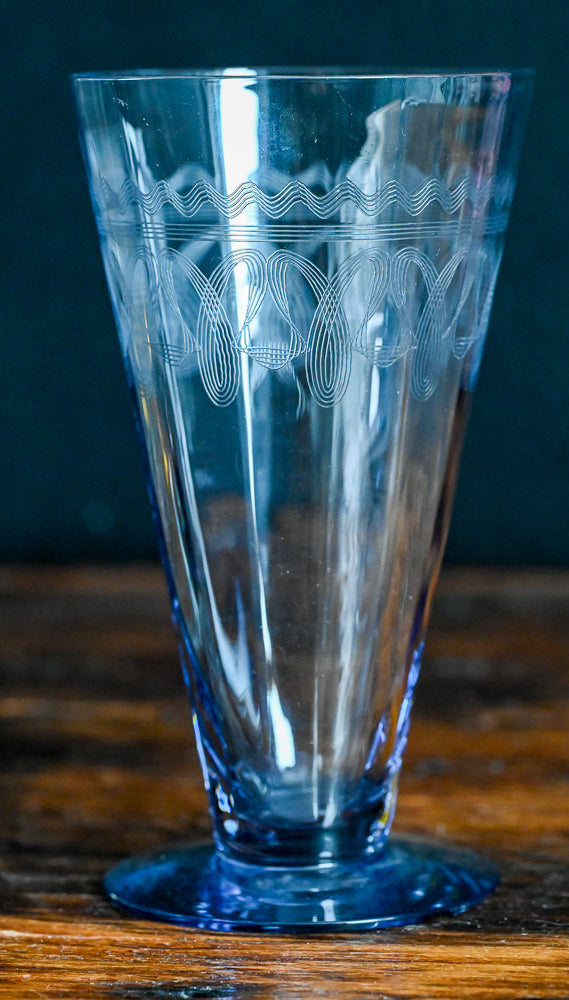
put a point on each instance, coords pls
(97, 762)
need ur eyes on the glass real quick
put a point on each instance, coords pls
(301, 267)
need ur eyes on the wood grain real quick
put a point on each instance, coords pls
(96, 761)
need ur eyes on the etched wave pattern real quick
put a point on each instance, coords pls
(380, 303)
(275, 206)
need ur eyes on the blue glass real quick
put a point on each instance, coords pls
(302, 268)
(402, 884)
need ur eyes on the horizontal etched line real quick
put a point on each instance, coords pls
(307, 234)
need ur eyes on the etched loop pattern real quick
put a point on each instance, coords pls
(279, 308)
(218, 318)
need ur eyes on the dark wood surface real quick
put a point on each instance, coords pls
(97, 761)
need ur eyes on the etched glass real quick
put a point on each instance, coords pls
(301, 267)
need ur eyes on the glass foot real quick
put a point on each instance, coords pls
(198, 887)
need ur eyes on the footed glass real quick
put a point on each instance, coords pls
(301, 266)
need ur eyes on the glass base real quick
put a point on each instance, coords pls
(198, 887)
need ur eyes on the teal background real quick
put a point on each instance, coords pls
(72, 483)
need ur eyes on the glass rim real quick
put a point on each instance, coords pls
(297, 73)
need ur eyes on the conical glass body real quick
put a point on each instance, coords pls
(302, 267)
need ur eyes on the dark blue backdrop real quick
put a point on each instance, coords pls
(72, 485)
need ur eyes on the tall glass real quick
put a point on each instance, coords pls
(301, 266)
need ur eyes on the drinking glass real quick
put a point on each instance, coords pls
(301, 265)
